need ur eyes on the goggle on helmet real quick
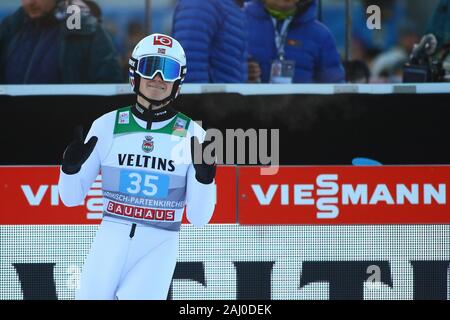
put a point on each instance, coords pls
(169, 69)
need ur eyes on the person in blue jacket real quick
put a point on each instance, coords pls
(288, 30)
(213, 35)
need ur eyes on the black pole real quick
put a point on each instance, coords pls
(348, 30)
(148, 17)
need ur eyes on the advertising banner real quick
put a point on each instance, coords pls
(345, 195)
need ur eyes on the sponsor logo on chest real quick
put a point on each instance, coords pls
(148, 144)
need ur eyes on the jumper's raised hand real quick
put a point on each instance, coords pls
(204, 172)
(77, 152)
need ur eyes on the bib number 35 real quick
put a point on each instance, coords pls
(144, 184)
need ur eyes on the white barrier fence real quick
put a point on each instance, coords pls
(244, 89)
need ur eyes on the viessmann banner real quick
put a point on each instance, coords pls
(345, 195)
(245, 195)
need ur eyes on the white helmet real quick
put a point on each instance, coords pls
(158, 53)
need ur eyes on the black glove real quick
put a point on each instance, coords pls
(77, 152)
(204, 173)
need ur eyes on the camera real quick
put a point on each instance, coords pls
(423, 66)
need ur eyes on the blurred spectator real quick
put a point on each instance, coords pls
(440, 23)
(356, 71)
(213, 35)
(387, 66)
(300, 36)
(360, 52)
(36, 46)
(94, 9)
(254, 71)
(135, 32)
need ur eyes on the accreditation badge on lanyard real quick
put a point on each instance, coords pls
(282, 71)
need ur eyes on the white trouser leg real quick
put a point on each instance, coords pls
(151, 276)
(104, 264)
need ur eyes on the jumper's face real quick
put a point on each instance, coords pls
(281, 5)
(156, 88)
(37, 8)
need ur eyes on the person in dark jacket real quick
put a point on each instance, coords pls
(288, 30)
(37, 46)
(213, 35)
